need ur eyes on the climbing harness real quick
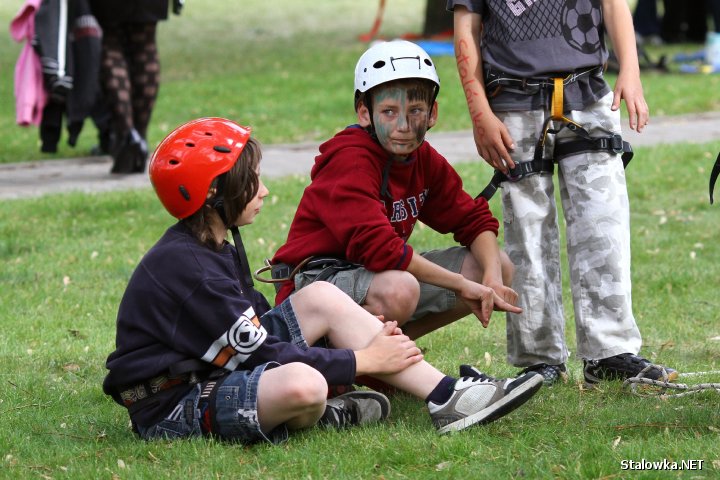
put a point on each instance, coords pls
(713, 177)
(281, 272)
(647, 387)
(584, 142)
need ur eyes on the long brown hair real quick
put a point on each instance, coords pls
(241, 184)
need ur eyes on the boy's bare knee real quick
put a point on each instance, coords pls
(303, 386)
(470, 268)
(473, 271)
(508, 268)
(395, 295)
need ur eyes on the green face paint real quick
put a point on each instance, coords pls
(400, 123)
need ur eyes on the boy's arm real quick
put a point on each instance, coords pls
(486, 252)
(618, 23)
(481, 299)
(492, 138)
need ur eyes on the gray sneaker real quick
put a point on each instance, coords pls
(355, 408)
(481, 399)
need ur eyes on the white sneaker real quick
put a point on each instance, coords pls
(482, 399)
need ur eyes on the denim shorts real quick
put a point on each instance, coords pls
(356, 282)
(236, 417)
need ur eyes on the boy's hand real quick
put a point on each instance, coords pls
(390, 351)
(483, 300)
(493, 141)
(629, 88)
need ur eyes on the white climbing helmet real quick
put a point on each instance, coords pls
(394, 60)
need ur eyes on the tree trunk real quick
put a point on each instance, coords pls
(437, 19)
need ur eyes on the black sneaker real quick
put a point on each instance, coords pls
(480, 399)
(552, 374)
(623, 366)
(355, 408)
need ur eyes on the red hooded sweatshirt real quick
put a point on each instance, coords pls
(344, 214)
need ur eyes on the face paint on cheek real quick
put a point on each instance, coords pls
(382, 131)
(419, 126)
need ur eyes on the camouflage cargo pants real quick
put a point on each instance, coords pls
(594, 200)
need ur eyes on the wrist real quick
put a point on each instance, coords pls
(361, 363)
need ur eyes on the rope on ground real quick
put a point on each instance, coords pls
(647, 387)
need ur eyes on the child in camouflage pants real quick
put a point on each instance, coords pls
(508, 54)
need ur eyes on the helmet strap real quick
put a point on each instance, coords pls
(241, 256)
(218, 204)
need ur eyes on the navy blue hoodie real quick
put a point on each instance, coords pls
(186, 301)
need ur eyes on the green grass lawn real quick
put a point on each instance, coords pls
(65, 260)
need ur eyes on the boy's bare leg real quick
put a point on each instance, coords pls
(293, 394)
(323, 310)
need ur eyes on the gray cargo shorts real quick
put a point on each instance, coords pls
(355, 281)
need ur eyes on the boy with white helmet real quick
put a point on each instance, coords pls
(370, 184)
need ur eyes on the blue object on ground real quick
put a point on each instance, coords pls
(436, 48)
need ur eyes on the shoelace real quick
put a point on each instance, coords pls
(553, 370)
(341, 417)
(468, 371)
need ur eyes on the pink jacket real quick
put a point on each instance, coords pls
(30, 94)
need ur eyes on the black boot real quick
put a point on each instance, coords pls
(129, 154)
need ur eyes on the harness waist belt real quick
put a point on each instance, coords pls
(135, 393)
(496, 80)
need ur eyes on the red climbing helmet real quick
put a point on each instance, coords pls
(187, 161)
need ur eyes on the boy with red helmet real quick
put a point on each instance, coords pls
(200, 352)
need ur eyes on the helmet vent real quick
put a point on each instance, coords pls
(184, 192)
(428, 62)
(189, 144)
(222, 149)
(379, 64)
(174, 161)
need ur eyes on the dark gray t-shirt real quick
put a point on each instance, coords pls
(540, 38)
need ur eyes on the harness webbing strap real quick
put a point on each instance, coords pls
(714, 176)
(583, 143)
(206, 404)
(557, 100)
(613, 144)
(521, 170)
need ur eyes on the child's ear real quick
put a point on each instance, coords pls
(363, 115)
(432, 120)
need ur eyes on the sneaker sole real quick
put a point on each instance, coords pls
(370, 394)
(499, 409)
